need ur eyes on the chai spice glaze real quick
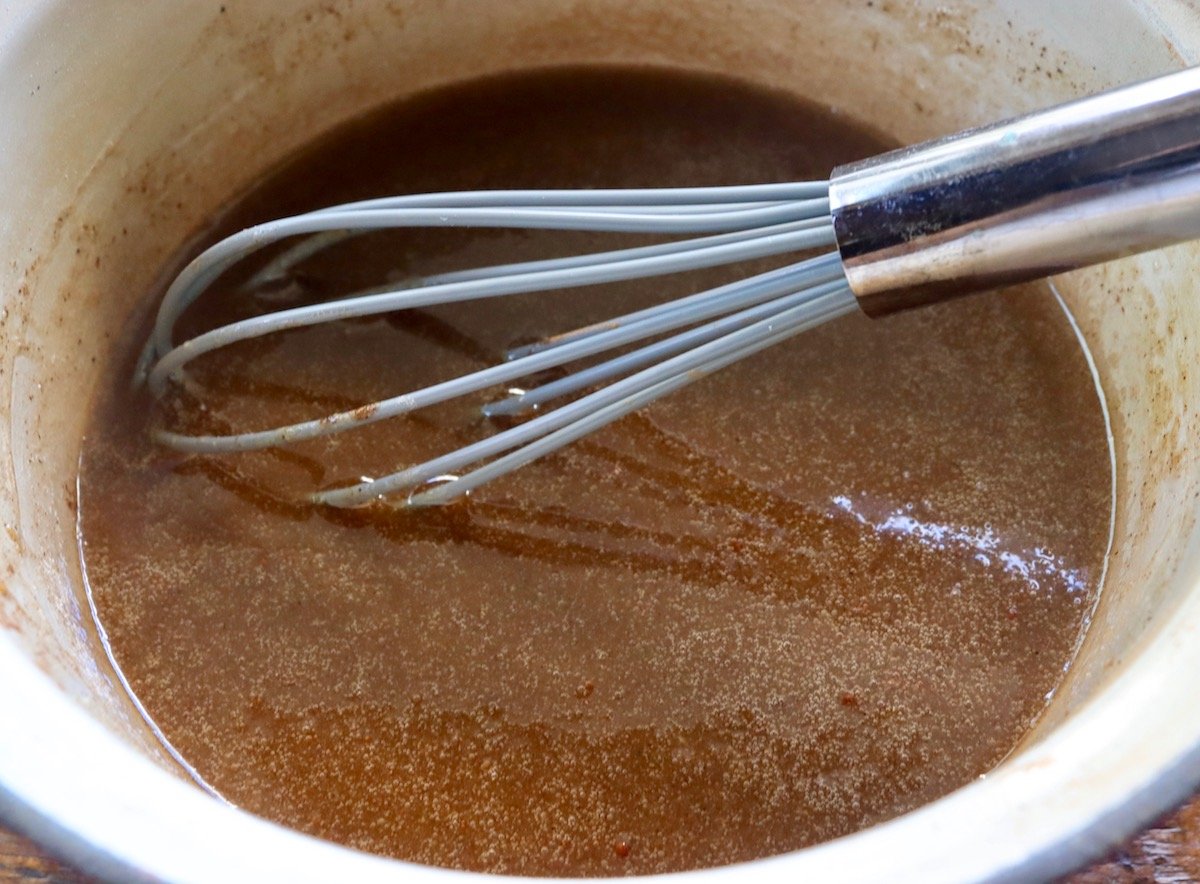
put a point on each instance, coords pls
(817, 590)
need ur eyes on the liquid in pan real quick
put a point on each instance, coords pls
(812, 592)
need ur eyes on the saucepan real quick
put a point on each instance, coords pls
(126, 124)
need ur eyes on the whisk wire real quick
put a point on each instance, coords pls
(589, 377)
(593, 258)
(560, 427)
(612, 210)
(698, 306)
(747, 291)
(206, 267)
(175, 358)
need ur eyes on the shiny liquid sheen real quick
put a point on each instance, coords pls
(809, 593)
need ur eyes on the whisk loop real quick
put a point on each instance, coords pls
(695, 335)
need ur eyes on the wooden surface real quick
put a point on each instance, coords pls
(21, 860)
(1167, 853)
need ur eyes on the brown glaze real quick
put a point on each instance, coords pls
(812, 592)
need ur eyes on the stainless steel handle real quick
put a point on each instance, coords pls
(1078, 184)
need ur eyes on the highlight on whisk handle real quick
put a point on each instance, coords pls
(1081, 183)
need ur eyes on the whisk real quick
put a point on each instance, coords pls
(1088, 181)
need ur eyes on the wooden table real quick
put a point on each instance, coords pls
(1168, 853)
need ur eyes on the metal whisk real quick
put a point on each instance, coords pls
(1081, 183)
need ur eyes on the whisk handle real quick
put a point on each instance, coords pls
(1081, 183)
